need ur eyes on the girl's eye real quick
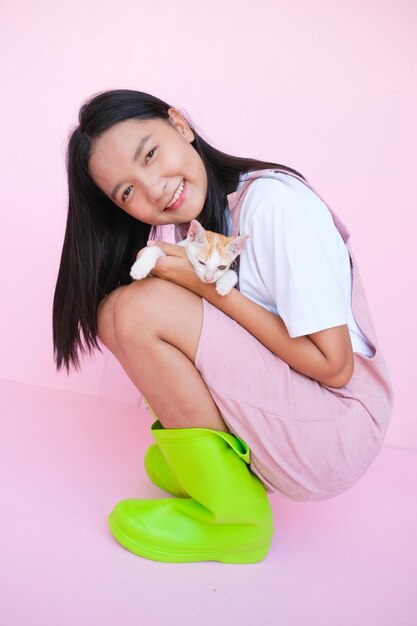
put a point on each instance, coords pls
(126, 192)
(150, 154)
(201, 262)
(222, 267)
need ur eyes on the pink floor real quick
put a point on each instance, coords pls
(66, 459)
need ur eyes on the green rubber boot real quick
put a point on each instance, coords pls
(160, 472)
(157, 467)
(226, 518)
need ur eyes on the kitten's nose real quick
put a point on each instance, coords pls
(208, 278)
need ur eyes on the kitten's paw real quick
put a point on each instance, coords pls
(223, 289)
(146, 262)
(226, 283)
(140, 269)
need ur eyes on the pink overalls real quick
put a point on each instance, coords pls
(307, 440)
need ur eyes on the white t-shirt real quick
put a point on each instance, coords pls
(295, 262)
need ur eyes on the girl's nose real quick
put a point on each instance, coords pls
(154, 188)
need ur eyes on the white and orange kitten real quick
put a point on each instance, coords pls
(211, 255)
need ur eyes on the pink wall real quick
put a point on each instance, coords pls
(326, 87)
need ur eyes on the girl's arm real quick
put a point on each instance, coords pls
(325, 356)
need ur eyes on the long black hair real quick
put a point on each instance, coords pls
(101, 240)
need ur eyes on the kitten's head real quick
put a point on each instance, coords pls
(211, 254)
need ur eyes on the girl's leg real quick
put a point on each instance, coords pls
(153, 328)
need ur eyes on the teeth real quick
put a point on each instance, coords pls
(176, 195)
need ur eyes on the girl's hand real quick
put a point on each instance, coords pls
(176, 268)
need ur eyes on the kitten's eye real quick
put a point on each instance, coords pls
(126, 192)
(201, 262)
(222, 267)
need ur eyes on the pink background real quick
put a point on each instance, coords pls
(326, 87)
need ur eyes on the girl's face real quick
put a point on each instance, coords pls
(150, 169)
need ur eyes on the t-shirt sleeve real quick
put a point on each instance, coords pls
(292, 262)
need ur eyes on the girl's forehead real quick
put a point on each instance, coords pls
(125, 139)
(127, 130)
(135, 124)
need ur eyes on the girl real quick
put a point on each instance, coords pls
(278, 386)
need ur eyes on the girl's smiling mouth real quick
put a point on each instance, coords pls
(177, 198)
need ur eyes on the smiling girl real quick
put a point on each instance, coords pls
(278, 386)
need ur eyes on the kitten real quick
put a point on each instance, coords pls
(211, 255)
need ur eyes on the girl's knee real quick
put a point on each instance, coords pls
(123, 315)
(136, 308)
(152, 308)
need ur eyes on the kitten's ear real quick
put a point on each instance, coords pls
(237, 244)
(196, 233)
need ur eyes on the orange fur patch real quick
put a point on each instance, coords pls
(216, 241)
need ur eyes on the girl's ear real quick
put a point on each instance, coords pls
(179, 122)
(236, 246)
(196, 233)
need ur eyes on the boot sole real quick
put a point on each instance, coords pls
(191, 557)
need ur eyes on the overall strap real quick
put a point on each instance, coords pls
(235, 199)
